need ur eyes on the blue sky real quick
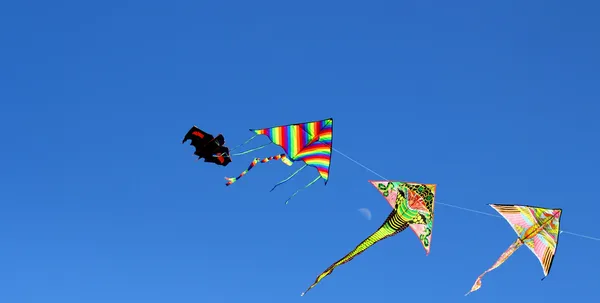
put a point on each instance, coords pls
(495, 102)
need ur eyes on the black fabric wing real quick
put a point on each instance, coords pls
(208, 147)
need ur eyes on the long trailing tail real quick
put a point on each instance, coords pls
(392, 225)
(507, 253)
(281, 157)
(305, 187)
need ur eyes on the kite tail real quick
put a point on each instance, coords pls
(392, 225)
(511, 249)
(281, 157)
(305, 187)
(288, 178)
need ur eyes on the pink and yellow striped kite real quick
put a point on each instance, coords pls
(537, 228)
(310, 142)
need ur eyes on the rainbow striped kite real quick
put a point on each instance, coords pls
(310, 142)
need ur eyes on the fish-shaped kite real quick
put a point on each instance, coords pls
(210, 148)
(413, 207)
(310, 142)
(537, 228)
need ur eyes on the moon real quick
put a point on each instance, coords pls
(365, 212)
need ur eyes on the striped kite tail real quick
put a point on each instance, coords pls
(392, 226)
(507, 253)
(281, 157)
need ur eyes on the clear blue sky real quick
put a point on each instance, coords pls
(100, 201)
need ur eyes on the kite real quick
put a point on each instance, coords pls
(208, 147)
(538, 228)
(310, 142)
(412, 205)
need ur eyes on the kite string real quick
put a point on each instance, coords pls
(247, 141)
(250, 150)
(450, 205)
(229, 154)
(579, 235)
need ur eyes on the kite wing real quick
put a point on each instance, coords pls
(538, 227)
(199, 137)
(208, 147)
(309, 142)
(415, 202)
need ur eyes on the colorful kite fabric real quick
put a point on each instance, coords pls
(413, 207)
(310, 142)
(537, 228)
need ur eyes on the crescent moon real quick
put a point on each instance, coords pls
(365, 212)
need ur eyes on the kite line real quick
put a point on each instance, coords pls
(450, 205)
